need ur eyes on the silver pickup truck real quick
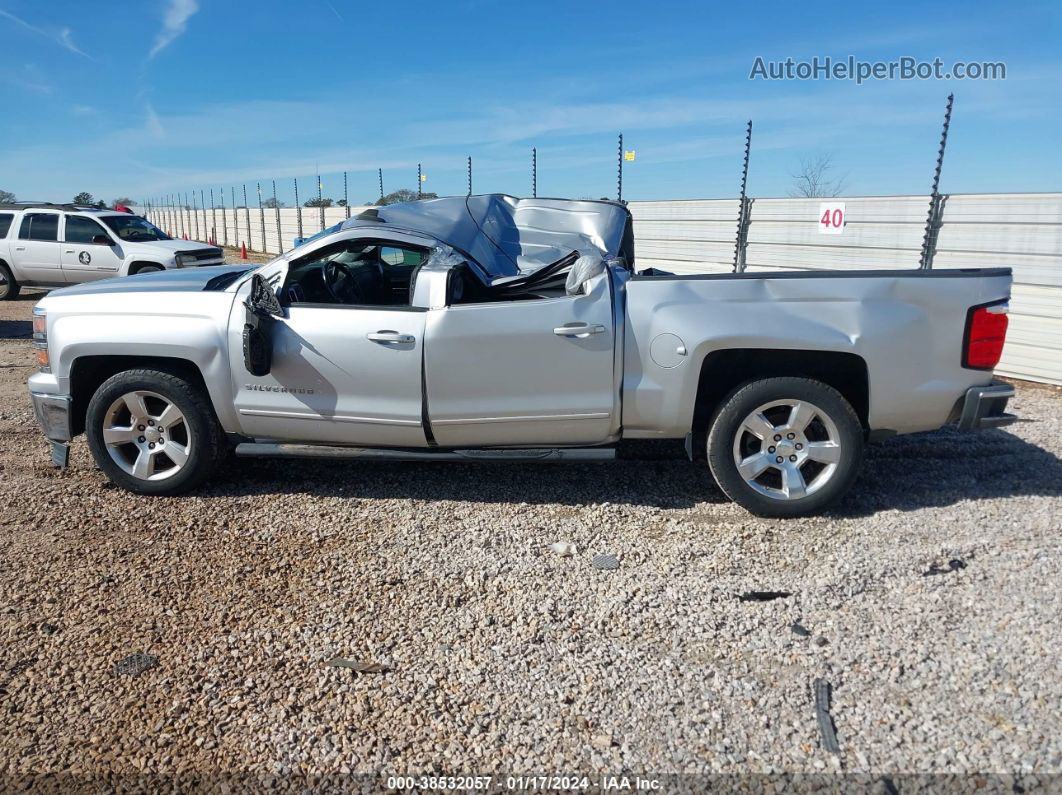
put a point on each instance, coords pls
(490, 328)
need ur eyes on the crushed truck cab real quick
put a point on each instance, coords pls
(491, 328)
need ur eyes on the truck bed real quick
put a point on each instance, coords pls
(906, 325)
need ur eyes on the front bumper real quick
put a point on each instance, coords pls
(984, 407)
(53, 414)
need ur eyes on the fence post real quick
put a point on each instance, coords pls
(298, 207)
(381, 183)
(744, 209)
(276, 209)
(534, 172)
(934, 218)
(419, 180)
(470, 175)
(213, 219)
(619, 179)
(346, 199)
(195, 216)
(320, 200)
(246, 216)
(224, 216)
(235, 221)
(261, 218)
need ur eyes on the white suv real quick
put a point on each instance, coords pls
(53, 245)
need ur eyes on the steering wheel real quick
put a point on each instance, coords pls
(340, 283)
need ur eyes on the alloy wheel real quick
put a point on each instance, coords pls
(787, 449)
(147, 435)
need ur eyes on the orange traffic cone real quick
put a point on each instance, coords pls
(243, 250)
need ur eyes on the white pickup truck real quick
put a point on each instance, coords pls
(53, 245)
(490, 328)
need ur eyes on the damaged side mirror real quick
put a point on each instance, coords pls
(262, 309)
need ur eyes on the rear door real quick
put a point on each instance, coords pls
(83, 259)
(35, 251)
(525, 372)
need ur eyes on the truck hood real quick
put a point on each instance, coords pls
(168, 281)
(173, 246)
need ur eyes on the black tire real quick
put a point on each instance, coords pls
(9, 288)
(201, 433)
(779, 501)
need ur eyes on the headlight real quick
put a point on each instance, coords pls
(40, 339)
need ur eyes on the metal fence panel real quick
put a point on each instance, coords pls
(1019, 231)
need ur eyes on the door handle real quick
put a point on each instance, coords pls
(69, 251)
(390, 337)
(578, 330)
(20, 248)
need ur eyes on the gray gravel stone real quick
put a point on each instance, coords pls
(504, 657)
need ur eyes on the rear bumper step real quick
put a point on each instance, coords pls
(532, 455)
(984, 407)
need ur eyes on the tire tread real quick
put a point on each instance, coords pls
(720, 441)
(213, 447)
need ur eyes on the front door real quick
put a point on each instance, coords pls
(537, 371)
(84, 256)
(35, 251)
(339, 375)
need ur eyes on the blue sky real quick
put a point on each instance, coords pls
(157, 96)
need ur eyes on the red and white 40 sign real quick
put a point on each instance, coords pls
(831, 218)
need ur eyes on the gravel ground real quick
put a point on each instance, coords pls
(497, 654)
(232, 256)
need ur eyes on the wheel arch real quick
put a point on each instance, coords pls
(138, 265)
(724, 370)
(87, 373)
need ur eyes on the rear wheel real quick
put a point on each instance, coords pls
(785, 446)
(9, 288)
(153, 432)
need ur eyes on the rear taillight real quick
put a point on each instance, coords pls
(986, 331)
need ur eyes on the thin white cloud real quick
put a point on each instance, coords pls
(174, 23)
(153, 123)
(334, 11)
(65, 40)
(62, 37)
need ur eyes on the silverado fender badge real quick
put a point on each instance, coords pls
(291, 390)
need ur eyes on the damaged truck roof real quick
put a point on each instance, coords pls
(509, 236)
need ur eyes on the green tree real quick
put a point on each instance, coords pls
(84, 198)
(6, 197)
(403, 195)
(325, 202)
(271, 203)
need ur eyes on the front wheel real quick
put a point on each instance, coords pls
(785, 446)
(153, 432)
(9, 288)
